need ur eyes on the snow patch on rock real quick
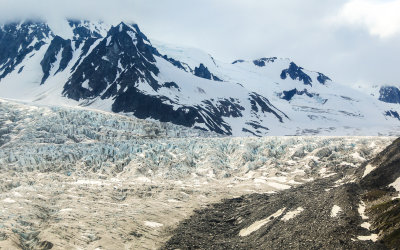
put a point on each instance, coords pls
(366, 225)
(396, 185)
(278, 186)
(335, 211)
(290, 215)
(368, 169)
(153, 224)
(361, 211)
(372, 237)
(259, 224)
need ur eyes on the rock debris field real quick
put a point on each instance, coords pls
(73, 178)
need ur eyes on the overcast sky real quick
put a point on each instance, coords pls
(352, 41)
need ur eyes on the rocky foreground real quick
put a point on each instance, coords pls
(354, 209)
(74, 178)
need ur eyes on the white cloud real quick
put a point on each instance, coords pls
(110, 11)
(249, 29)
(381, 18)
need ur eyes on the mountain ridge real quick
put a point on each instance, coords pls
(118, 69)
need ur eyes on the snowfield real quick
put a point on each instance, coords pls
(79, 178)
(118, 69)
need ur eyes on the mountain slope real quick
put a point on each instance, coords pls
(354, 209)
(118, 69)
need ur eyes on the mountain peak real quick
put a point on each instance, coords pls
(116, 68)
(83, 29)
(120, 61)
(263, 61)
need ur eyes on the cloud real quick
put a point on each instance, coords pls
(247, 29)
(52, 9)
(381, 18)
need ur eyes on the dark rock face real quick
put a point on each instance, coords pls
(388, 170)
(211, 113)
(145, 106)
(384, 210)
(57, 44)
(162, 109)
(288, 95)
(322, 78)
(215, 78)
(255, 125)
(200, 71)
(80, 30)
(171, 85)
(203, 72)
(17, 40)
(262, 61)
(389, 94)
(174, 62)
(262, 104)
(296, 73)
(393, 114)
(226, 107)
(82, 34)
(238, 61)
(85, 49)
(122, 58)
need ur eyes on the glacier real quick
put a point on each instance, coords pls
(109, 140)
(77, 177)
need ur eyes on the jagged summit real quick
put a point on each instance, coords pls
(18, 40)
(121, 60)
(389, 94)
(117, 68)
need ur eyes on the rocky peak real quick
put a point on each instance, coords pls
(57, 45)
(17, 40)
(86, 29)
(389, 94)
(262, 61)
(322, 78)
(203, 72)
(296, 73)
(123, 59)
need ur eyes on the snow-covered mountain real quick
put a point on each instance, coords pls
(389, 94)
(77, 178)
(118, 69)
